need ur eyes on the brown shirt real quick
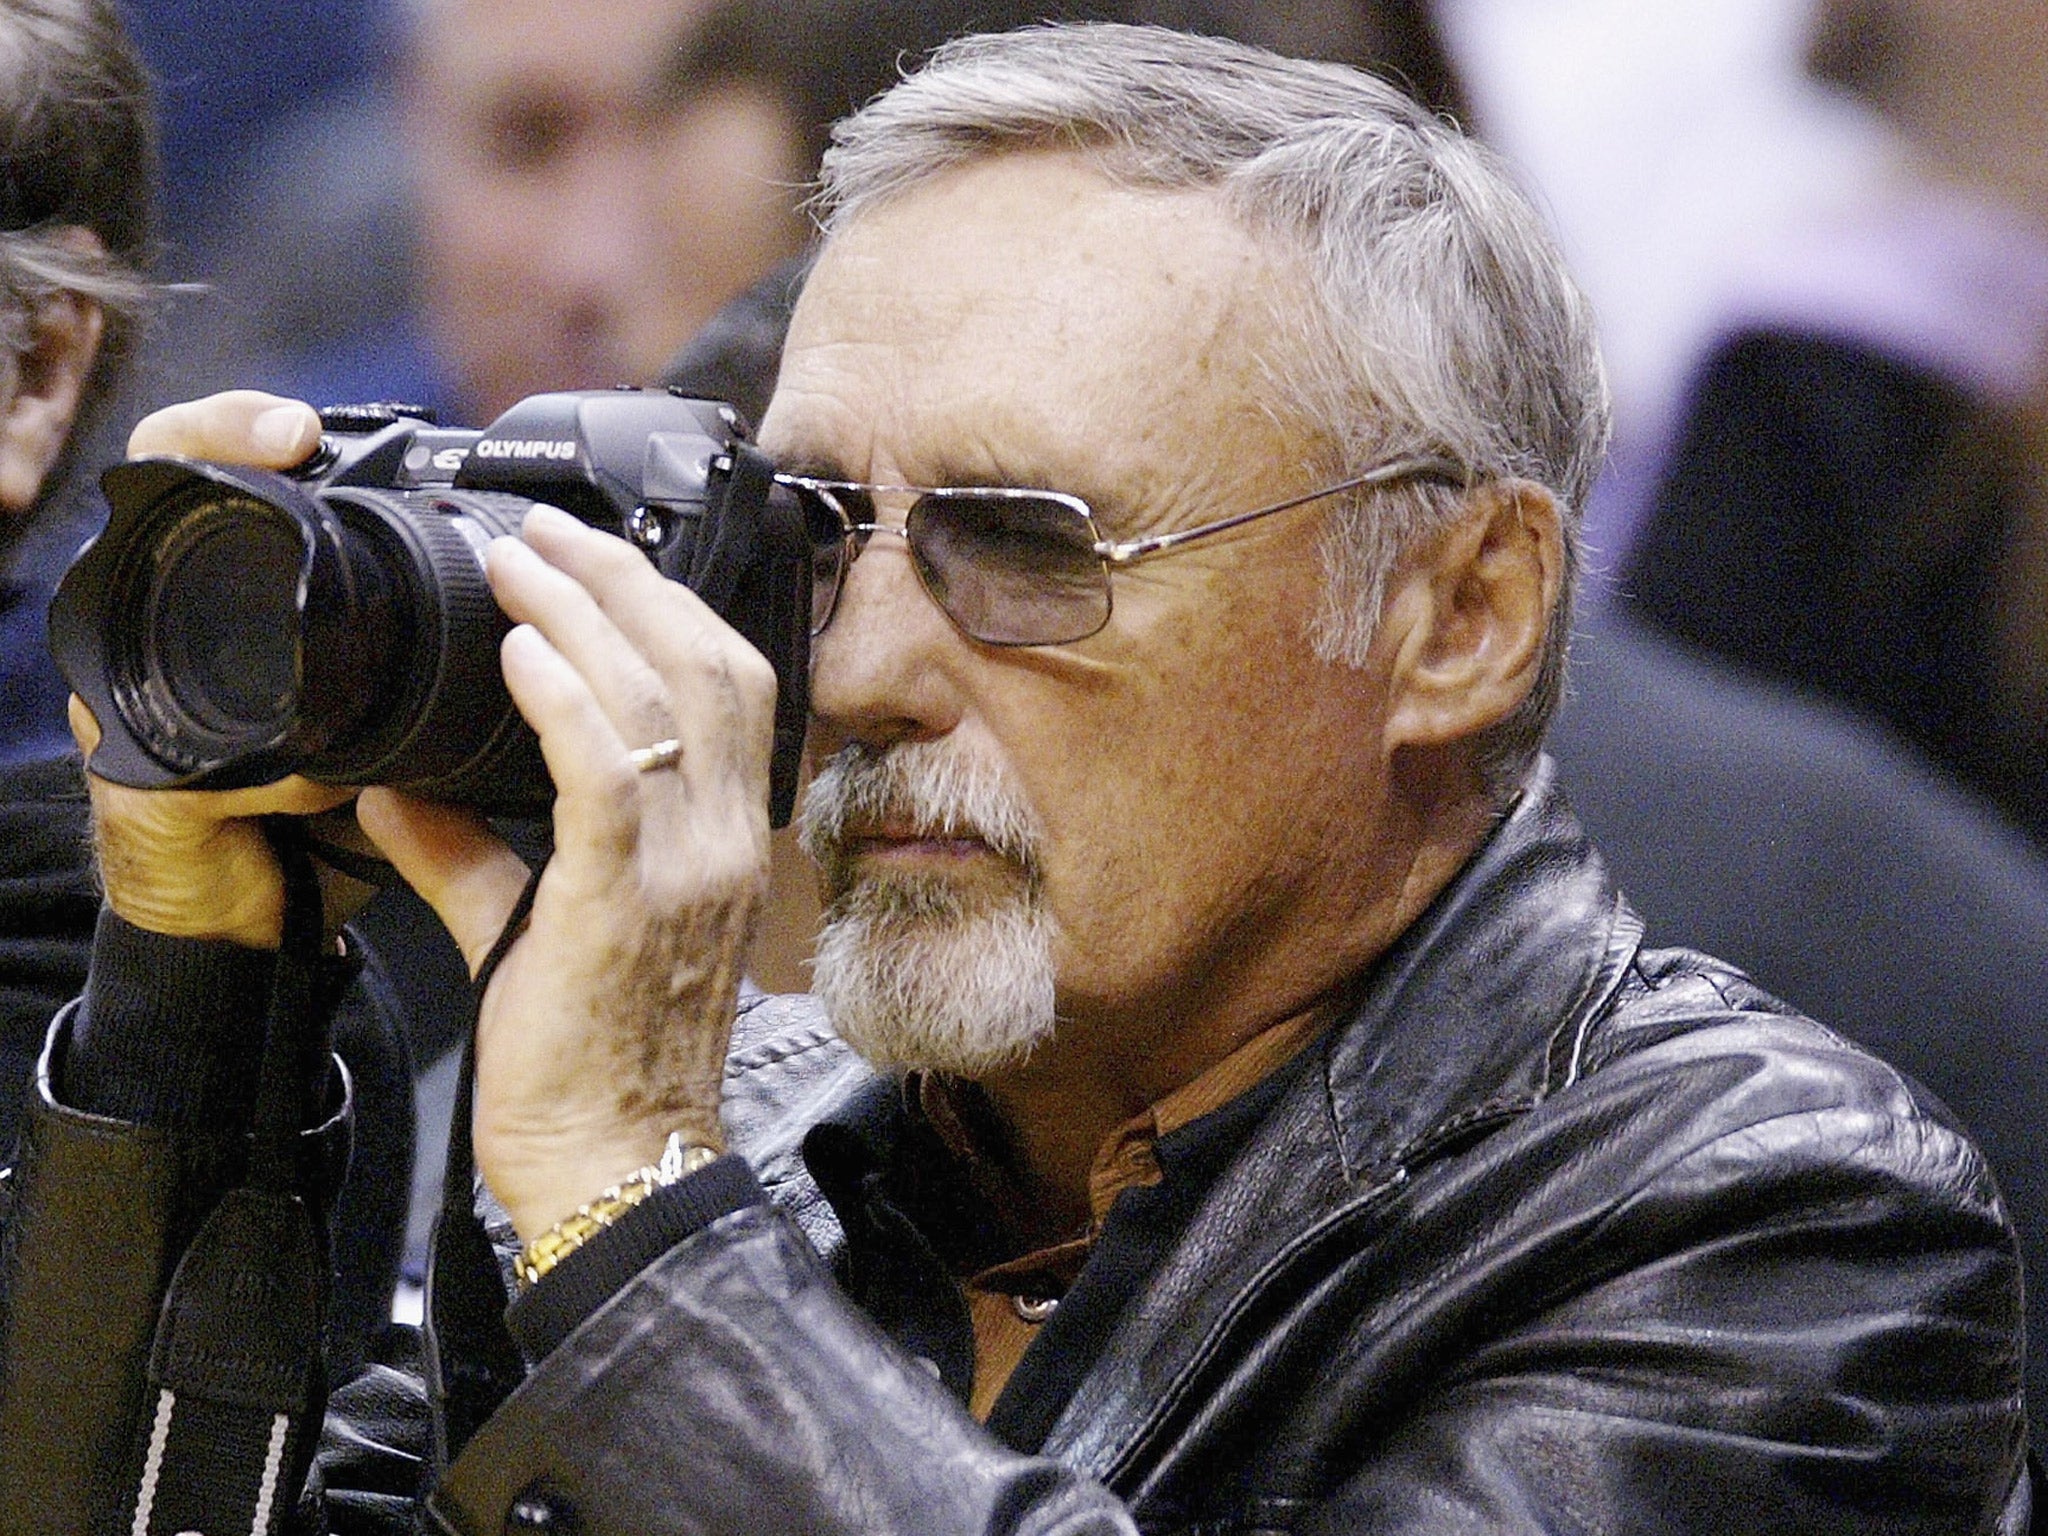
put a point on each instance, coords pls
(1009, 1301)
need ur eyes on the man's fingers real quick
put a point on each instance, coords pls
(684, 641)
(663, 619)
(592, 557)
(596, 804)
(452, 858)
(242, 426)
(661, 663)
(533, 591)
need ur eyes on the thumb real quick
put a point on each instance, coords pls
(448, 854)
(241, 426)
(84, 729)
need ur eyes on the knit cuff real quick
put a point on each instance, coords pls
(585, 1280)
(169, 1030)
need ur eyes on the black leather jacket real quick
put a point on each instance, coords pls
(1554, 1234)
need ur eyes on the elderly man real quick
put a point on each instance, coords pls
(1265, 1116)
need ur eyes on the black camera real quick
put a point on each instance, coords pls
(234, 625)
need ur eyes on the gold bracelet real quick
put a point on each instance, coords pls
(679, 1159)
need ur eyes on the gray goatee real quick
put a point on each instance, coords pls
(916, 970)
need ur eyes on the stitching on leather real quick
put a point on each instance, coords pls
(1447, 1131)
(781, 1048)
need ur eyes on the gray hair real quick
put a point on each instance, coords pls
(1440, 317)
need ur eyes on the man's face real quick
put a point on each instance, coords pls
(533, 162)
(1202, 793)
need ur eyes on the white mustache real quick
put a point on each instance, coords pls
(928, 787)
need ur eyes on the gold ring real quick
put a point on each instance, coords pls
(663, 754)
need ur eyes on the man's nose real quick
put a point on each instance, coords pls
(886, 667)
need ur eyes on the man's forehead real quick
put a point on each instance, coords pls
(1057, 224)
(1028, 285)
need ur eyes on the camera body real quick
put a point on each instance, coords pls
(234, 625)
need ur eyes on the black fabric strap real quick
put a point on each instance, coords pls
(473, 1364)
(236, 1383)
(291, 1037)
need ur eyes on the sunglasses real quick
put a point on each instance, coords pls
(1016, 567)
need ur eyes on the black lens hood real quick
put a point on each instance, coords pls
(88, 619)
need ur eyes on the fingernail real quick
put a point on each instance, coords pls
(502, 551)
(280, 430)
(543, 514)
(520, 637)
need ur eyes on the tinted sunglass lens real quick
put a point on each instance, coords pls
(1010, 570)
(830, 550)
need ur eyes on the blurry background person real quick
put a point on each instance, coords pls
(458, 219)
(77, 166)
(77, 210)
(1857, 499)
(461, 215)
(77, 191)
(528, 137)
(76, 223)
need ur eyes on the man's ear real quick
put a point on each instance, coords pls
(1469, 612)
(49, 384)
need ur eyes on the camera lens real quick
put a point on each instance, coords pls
(253, 630)
(440, 723)
(219, 622)
(245, 629)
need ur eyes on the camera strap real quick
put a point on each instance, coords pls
(472, 1363)
(752, 564)
(236, 1384)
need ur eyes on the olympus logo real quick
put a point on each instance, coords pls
(525, 448)
(420, 458)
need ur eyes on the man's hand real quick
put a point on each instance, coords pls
(606, 1025)
(194, 864)
(188, 863)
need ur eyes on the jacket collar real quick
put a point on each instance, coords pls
(1481, 1008)
(1479, 1012)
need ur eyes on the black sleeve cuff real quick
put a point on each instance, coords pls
(170, 1028)
(541, 1318)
